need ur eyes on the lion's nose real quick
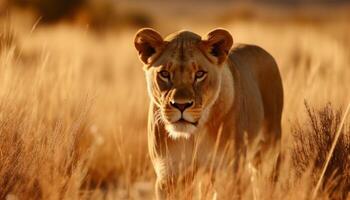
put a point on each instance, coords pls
(181, 105)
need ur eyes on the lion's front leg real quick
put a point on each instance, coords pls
(164, 187)
(172, 176)
(166, 180)
(174, 187)
(161, 189)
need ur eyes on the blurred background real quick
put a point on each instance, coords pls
(114, 14)
(73, 98)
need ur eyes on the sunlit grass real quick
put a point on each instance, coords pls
(74, 112)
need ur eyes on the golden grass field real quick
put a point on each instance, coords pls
(73, 111)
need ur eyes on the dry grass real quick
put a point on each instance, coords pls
(73, 113)
(312, 146)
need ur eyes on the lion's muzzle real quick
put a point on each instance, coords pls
(181, 105)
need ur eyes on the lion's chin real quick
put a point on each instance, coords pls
(179, 130)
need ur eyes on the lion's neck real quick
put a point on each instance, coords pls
(224, 102)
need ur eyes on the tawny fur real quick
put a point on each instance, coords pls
(242, 96)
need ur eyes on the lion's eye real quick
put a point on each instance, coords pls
(165, 75)
(200, 75)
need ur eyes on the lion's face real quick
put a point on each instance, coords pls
(183, 80)
(184, 91)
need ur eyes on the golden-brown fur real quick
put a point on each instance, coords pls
(240, 94)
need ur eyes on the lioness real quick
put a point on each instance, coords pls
(199, 88)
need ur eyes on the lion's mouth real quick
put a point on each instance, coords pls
(184, 121)
(181, 128)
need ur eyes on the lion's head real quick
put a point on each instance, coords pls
(183, 73)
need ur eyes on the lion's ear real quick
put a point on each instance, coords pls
(148, 43)
(218, 44)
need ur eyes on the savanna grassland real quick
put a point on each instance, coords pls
(73, 110)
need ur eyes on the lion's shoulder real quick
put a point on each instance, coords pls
(253, 59)
(251, 51)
